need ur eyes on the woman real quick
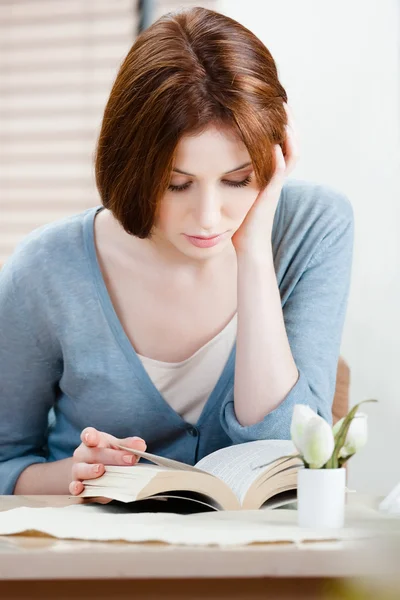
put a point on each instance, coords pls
(202, 300)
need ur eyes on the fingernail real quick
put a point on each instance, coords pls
(139, 439)
(97, 468)
(128, 458)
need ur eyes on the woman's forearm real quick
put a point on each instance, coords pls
(45, 478)
(265, 370)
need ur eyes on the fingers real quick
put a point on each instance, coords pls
(93, 438)
(75, 488)
(133, 442)
(291, 146)
(83, 470)
(276, 181)
(98, 449)
(103, 456)
(289, 114)
(280, 163)
(291, 151)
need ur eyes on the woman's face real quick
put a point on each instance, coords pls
(212, 188)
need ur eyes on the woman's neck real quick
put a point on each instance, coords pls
(157, 253)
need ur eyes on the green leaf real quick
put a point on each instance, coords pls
(340, 438)
(343, 461)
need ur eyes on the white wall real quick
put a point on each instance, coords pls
(339, 61)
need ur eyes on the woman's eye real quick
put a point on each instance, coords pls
(179, 188)
(239, 183)
(184, 186)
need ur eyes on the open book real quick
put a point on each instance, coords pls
(244, 476)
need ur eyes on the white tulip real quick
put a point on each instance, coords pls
(318, 442)
(301, 416)
(312, 436)
(357, 434)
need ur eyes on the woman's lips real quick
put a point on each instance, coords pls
(205, 242)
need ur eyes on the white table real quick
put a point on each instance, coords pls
(41, 567)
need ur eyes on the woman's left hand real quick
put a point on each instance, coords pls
(254, 234)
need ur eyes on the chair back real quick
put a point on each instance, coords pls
(340, 406)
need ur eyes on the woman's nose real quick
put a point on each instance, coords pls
(208, 213)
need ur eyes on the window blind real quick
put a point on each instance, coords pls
(58, 61)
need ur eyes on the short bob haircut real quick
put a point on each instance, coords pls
(190, 69)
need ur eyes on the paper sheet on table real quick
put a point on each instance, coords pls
(103, 523)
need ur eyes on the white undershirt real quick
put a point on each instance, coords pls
(187, 385)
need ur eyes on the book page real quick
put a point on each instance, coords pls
(145, 480)
(239, 465)
(160, 460)
(121, 483)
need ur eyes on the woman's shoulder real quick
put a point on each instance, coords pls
(312, 203)
(313, 225)
(310, 217)
(49, 248)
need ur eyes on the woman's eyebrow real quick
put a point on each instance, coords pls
(232, 171)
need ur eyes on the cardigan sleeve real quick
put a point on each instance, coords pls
(314, 315)
(28, 375)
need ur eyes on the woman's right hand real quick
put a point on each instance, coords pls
(96, 450)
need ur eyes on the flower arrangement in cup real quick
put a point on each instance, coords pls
(321, 446)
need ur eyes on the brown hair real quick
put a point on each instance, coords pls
(189, 69)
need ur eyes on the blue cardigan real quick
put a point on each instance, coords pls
(62, 346)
